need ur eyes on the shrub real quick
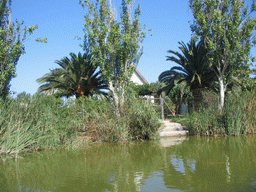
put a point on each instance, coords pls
(138, 120)
(144, 121)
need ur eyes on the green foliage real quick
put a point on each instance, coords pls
(114, 43)
(234, 116)
(144, 122)
(138, 120)
(46, 122)
(227, 30)
(206, 122)
(193, 72)
(169, 106)
(146, 89)
(180, 93)
(238, 117)
(35, 123)
(77, 76)
(152, 89)
(248, 84)
(12, 37)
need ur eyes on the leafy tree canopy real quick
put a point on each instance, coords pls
(114, 42)
(146, 89)
(12, 37)
(227, 30)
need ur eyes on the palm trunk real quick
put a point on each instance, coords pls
(198, 97)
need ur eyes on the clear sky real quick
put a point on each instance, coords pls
(61, 20)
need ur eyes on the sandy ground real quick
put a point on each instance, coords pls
(172, 129)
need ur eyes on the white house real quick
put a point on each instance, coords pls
(138, 79)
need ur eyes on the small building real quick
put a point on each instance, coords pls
(138, 79)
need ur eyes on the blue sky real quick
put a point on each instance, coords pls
(60, 21)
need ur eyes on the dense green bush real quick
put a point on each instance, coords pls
(143, 119)
(146, 89)
(238, 117)
(138, 120)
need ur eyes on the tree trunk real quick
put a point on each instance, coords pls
(222, 93)
(115, 99)
(198, 97)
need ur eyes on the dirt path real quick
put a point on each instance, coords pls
(172, 129)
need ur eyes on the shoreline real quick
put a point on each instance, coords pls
(170, 129)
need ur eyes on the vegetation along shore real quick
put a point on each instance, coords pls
(90, 96)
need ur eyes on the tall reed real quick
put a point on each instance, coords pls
(238, 117)
(17, 129)
(138, 120)
(39, 123)
(45, 122)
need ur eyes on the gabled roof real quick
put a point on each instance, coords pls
(140, 76)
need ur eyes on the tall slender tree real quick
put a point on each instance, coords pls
(228, 32)
(12, 37)
(114, 43)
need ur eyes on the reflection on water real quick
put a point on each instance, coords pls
(138, 180)
(178, 164)
(170, 141)
(228, 169)
(172, 164)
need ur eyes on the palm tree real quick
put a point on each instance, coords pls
(193, 71)
(77, 76)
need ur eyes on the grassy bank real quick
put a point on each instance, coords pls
(40, 123)
(238, 117)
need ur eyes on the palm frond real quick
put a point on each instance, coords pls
(77, 76)
(193, 70)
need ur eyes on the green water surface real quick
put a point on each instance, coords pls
(171, 164)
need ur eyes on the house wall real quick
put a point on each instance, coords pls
(139, 81)
(149, 98)
(136, 79)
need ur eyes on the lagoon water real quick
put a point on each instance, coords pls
(171, 164)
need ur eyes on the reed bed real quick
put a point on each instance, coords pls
(45, 122)
(238, 117)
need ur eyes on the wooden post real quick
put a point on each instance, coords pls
(162, 106)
